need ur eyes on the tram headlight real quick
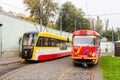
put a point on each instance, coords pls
(75, 53)
(92, 54)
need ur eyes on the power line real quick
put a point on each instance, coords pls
(85, 15)
(86, 6)
(104, 14)
(12, 6)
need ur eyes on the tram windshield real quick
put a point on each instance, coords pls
(29, 39)
(83, 41)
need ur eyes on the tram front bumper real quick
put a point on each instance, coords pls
(26, 54)
(84, 57)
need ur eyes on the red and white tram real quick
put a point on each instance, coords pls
(86, 47)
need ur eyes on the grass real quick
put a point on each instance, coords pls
(110, 67)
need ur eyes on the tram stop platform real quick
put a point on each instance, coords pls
(8, 60)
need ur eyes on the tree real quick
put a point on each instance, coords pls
(108, 35)
(46, 8)
(1, 9)
(106, 24)
(99, 25)
(30, 19)
(50, 25)
(69, 14)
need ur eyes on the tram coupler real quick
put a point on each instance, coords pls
(85, 64)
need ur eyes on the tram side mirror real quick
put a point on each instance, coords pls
(67, 39)
(1, 24)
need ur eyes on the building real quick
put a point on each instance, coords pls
(13, 29)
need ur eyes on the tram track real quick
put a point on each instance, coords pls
(80, 72)
(64, 73)
(59, 69)
(12, 67)
(92, 74)
(95, 72)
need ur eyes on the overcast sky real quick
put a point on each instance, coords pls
(107, 9)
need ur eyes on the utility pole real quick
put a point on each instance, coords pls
(40, 14)
(60, 22)
(118, 33)
(75, 24)
(1, 40)
(92, 23)
(93, 27)
(80, 25)
(112, 40)
(61, 25)
(112, 35)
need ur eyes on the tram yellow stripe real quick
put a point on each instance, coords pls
(79, 49)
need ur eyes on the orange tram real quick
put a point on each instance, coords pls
(85, 47)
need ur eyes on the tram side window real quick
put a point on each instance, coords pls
(40, 42)
(63, 45)
(53, 42)
(44, 41)
(50, 42)
(96, 41)
(33, 39)
(69, 44)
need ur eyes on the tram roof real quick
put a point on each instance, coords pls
(31, 32)
(46, 34)
(50, 35)
(85, 32)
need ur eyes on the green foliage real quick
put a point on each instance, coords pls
(108, 35)
(110, 67)
(30, 19)
(48, 7)
(51, 25)
(69, 14)
(106, 24)
(1, 9)
(99, 25)
(107, 32)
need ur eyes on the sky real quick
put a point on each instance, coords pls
(106, 9)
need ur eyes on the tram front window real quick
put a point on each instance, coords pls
(29, 40)
(83, 41)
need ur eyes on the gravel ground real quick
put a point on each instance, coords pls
(58, 69)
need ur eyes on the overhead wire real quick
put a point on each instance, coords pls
(107, 14)
(12, 6)
(86, 7)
